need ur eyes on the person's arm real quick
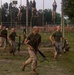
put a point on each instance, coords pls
(39, 43)
(26, 43)
(51, 39)
(63, 37)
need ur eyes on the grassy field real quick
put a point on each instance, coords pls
(11, 65)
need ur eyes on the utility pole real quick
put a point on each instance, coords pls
(1, 13)
(14, 3)
(11, 13)
(43, 15)
(21, 2)
(62, 18)
(26, 16)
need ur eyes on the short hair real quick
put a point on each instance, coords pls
(13, 29)
(35, 27)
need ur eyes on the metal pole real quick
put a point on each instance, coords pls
(11, 13)
(21, 2)
(20, 8)
(43, 14)
(26, 16)
(62, 18)
(31, 17)
(1, 12)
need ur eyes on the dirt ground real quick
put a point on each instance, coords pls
(11, 65)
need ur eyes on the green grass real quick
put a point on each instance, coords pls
(11, 65)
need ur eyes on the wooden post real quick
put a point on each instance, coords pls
(26, 16)
(62, 18)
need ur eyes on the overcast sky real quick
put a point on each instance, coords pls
(39, 4)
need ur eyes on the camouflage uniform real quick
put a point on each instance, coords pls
(35, 40)
(12, 41)
(0, 38)
(57, 39)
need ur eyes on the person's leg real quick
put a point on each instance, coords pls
(4, 40)
(55, 51)
(10, 42)
(34, 62)
(60, 49)
(26, 63)
(55, 55)
(34, 65)
(11, 46)
(0, 41)
(14, 47)
(33, 56)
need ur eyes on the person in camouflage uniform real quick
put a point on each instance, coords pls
(12, 40)
(0, 36)
(56, 39)
(33, 39)
(4, 36)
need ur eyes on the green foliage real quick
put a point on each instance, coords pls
(9, 15)
(69, 9)
(48, 15)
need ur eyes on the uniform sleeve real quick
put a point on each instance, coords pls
(53, 34)
(39, 40)
(29, 36)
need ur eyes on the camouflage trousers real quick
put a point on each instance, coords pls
(32, 59)
(13, 45)
(4, 42)
(58, 47)
(0, 41)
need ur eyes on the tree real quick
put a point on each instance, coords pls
(69, 9)
(10, 16)
(13, 11)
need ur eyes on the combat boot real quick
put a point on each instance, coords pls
(23, 67)
(34, 72)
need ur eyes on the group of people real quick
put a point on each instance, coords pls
(7, 39)
(33, 40)
(3, 36)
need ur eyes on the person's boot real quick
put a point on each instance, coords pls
(34, 72)
(23, 67)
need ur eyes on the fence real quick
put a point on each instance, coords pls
(46, 28)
